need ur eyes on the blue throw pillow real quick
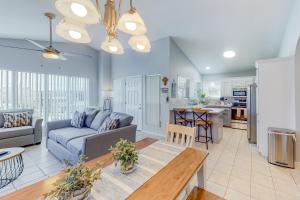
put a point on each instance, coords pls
(78, 119)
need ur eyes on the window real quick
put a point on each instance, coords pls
(51, 96)
(212, 89)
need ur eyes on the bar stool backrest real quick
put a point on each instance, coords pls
(179, 113)
(200, 114)
(180, 135)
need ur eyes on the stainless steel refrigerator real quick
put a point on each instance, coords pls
(251, 114)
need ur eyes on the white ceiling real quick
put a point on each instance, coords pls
(203, 29)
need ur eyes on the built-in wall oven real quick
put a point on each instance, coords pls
(239, 92)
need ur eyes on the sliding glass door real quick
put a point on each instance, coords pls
(51, 96)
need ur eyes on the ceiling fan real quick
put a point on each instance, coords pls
(48, 52)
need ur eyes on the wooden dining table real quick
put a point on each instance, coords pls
(164, 172)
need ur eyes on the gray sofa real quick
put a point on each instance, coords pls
(20, 136)
(69, 143)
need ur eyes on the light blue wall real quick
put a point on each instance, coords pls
(229, 75)
(31, 61)
(132, 63)
(181, 65)
(292, 33)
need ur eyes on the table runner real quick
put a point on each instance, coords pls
(116, 186)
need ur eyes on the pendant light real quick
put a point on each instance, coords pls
(112, 45)
(132, 23)
(140, 43)
(73, 31)
(79, 10)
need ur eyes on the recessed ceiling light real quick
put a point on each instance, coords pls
(229, 54)
(207, 67)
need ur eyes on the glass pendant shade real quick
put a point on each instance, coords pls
(112, 46)
(50, 55)
(79, 10)
(132, 23)
(140, 43)
(73, 31)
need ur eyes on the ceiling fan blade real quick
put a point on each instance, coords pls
(75, 54)
(21, 48)
(62, 57)
(35, 43)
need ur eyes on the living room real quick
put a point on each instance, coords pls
(94, 78)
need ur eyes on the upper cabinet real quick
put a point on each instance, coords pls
(224, 87)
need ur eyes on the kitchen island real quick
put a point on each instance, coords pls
(214, 114)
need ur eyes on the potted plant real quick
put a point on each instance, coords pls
(77, 182)
(125, 154)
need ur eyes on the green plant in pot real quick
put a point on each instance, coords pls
(125, 154)
(77, 182)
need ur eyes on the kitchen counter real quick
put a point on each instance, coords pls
(211, 111)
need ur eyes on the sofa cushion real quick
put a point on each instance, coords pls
(90, 116)
(15, 132)
(125, 119)
(30, 111)
(99, 119)
(64, 135)
(110, 124)
(78, 119)
(75, 146)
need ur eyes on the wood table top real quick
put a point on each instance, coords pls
(169, 182)
(12, 152)
(37, 190)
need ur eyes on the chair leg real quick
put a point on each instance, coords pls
(198, 134)
(211, 137)
(206, 138)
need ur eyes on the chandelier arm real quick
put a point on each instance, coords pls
(119, 13)
(131, 5)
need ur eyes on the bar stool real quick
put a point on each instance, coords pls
(200, 119)
(180, 117)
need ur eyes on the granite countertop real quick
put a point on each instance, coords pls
(211, 110)
(218, 106)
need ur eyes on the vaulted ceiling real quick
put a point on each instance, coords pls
(203, 29)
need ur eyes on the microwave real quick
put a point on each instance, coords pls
(239, 92)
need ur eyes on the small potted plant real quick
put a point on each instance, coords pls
(76, 184)
(125, 154)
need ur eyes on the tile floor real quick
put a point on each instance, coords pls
(234, 170)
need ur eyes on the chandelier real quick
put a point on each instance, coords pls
(80, 13)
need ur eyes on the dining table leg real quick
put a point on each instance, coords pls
(201, 177)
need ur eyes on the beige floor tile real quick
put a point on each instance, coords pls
(219, 178)
(235, 195)
(262, 193)
(262, 180)
(239, 185)
(215, 188)
(241, 173)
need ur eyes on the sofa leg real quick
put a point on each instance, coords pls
(38, 143)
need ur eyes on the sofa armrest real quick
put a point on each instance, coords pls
(99, 144)
(37, 129)
(57, 125)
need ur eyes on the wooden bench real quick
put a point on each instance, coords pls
(201, 194)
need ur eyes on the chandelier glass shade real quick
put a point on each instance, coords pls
(112, 45)
(73, 31)
(79, 13)
(132, 23)
(80, 10)
(50, 55)
(140, 43)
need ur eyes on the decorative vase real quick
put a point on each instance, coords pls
(129, 169)
(82, 194)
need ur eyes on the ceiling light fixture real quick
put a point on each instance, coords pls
(207, 67)
(112, 45)
(140, 43)
(81, 10)
(78, 13)
(73, 31)
(78, 9)
(229, 54)
(50, 54)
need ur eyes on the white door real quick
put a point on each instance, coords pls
(134, 100)
(119, 95)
